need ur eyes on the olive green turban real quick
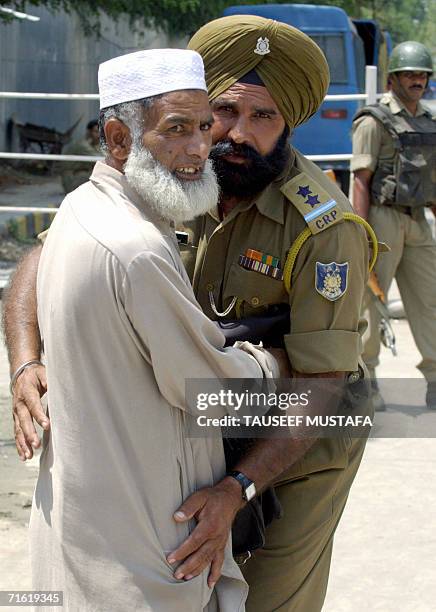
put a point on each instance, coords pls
(290, 64)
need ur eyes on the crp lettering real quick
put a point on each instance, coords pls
(326, 219)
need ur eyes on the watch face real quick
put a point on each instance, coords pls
(250, 492)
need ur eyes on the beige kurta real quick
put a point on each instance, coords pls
(122, 331)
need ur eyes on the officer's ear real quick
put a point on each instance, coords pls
(118, 139)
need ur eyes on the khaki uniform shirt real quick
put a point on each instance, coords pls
(371, 141)
(122, 332)
(325, 335)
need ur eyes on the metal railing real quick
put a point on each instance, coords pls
(370, 97)
(50, 157)
(92, 158)
(47, 96)
(27, 209)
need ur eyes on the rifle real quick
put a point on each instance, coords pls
(387, 335)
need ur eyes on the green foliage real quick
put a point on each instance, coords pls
(176, 17)
(405, 19)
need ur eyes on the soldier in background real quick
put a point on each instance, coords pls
(77, 173)
(394, 167)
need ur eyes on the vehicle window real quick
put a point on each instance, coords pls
(334, 50)
(359, 56)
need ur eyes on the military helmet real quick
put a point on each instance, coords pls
(410, 55)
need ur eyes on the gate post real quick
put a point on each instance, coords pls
(371, 84)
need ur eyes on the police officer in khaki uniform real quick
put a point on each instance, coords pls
(394, 165)
(294, 242)
(282, 234)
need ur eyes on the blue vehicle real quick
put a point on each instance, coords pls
(429, 98)
(349, 45)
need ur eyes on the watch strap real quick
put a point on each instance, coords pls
(247, 485)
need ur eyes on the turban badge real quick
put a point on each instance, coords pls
(262, 47)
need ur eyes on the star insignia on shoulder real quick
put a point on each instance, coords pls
(304, 191)
(312, 200)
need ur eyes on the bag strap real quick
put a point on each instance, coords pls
(381, 113)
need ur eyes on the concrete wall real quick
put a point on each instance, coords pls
(53, 55)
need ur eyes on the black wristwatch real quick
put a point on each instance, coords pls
(248, 486)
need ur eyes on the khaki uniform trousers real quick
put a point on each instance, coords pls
(412, 261)
(290, 573)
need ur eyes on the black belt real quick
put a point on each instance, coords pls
(406, 210)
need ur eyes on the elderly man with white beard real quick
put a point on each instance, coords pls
(122, 331)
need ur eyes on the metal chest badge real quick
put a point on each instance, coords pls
(331, 279)
(262, 47)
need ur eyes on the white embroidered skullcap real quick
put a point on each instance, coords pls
(148, 73)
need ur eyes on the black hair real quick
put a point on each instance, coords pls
(127, 112)
(91, 124)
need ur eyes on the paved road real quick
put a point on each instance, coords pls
(43, 191)
(385, 548)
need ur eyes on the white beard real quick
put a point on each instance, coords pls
(164, 193)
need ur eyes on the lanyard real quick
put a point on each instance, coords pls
(226, 311)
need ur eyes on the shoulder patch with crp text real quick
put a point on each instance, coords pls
(331, 279)
(319, 209)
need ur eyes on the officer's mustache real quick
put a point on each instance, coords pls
(229, 147)
(245, 180)
(268, 165)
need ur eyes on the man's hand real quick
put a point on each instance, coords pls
(22, 339)
(26, 406)
(214, 508)
(374, 285)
